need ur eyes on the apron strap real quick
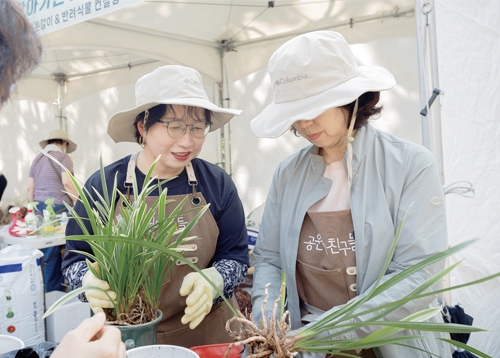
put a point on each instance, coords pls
(129, 182)
(195, 200)
(129, 179)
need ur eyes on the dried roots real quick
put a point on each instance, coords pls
(140, 312)
(269, 338)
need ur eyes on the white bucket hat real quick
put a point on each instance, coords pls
(310, 74)
(59, 134)
(171, 84)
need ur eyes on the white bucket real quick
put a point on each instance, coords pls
(9, 343)
(160, 351)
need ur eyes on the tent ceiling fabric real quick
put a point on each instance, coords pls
(103, 52)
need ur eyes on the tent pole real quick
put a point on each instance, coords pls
(225, 46)
(395, 12)
(429, 81)
(61, 79)
(425, 14)
(222, 147)
(220, 159)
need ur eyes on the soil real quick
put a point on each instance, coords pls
(244, 301)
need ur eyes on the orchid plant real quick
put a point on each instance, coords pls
(134, 249)
(273, 337)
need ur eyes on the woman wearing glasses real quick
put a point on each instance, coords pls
(172, 118)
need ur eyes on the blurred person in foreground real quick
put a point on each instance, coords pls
(20, 51)
(3, 184)
(20, 48)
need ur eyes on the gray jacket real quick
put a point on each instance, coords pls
(389, 175)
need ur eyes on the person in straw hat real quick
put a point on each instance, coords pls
(172, 118)
(48, 180)
(334, 206)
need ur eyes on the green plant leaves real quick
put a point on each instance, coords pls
(320, 336)
(135, 249)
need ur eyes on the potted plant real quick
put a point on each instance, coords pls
(134, 251)
(273, 336)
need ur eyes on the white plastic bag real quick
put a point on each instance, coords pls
(21, 294)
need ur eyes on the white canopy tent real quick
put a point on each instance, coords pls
(89, 70)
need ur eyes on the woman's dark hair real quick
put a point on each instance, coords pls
(56, 141)
(157, 112)
(366, 108)
(20, 48)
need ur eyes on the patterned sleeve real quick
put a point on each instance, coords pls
(233, 272)
(74, 275)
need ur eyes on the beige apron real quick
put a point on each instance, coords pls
(326, 262)
(170, 330)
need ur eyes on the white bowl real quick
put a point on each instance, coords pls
(9, 343)
(160, 351)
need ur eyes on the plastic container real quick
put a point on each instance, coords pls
(161, 351)
(66, 318)
(31, 222)
(216, 350)
(48, 226)
(253, 234)
(64, 219)
(9, 343)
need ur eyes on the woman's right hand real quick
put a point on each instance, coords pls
(91, 339)
(97, 299)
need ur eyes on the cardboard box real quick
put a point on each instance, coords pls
(65, 318)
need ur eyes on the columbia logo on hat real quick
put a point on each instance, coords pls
(287, 79)
(334, 79)
(192, 82)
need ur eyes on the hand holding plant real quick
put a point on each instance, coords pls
(98, 299)
(134, 245)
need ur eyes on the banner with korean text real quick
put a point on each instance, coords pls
(50, 15)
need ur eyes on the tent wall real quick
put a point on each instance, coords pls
(468, 37)
(24, 123)
(253, 159)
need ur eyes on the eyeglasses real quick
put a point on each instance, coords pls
(176, 129)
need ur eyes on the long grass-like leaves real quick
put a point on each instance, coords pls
(325, 324)
(66, 298)
(322, 335)
(134, 252)
(333, 318)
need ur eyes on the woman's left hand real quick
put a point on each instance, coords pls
(200, 294)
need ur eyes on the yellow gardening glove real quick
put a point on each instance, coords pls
(97, 299)
(200, 295)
